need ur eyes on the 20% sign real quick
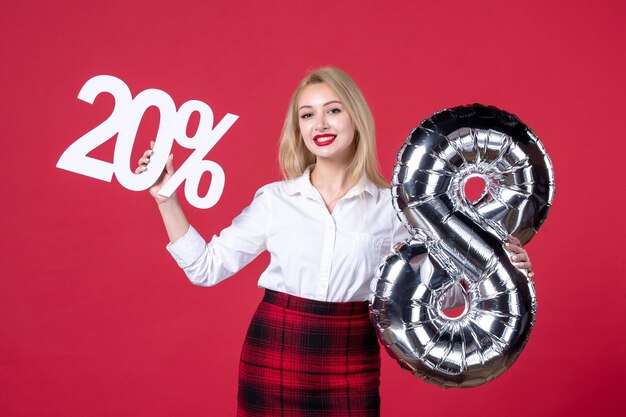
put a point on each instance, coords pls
(124, 121)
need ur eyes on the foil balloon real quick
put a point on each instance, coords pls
(455, 254)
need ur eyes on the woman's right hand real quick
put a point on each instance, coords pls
(163, 178)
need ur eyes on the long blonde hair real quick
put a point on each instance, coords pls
(293, 155)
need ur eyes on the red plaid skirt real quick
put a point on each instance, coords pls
(309, 358)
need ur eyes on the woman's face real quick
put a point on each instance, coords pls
(326, 126)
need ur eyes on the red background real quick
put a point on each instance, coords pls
(95, 317)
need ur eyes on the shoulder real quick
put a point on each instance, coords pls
(276, 191)
(277, 188)
(288, 187)
(382, 195)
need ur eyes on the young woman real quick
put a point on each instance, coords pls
(310, 349)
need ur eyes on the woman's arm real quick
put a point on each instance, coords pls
(207, 264)
(176, 224)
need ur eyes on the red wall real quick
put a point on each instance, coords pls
(95, 317)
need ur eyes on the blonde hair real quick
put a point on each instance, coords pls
(293, 155)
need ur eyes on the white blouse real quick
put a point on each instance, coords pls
(314, 254)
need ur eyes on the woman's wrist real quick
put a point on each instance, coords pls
(169, 204)
(166, 201)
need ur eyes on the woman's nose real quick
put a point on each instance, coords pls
(321, 123)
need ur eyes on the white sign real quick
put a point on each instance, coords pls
(124, 121)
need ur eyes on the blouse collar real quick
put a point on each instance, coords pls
(302, 185)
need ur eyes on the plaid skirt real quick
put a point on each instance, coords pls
(309, 358)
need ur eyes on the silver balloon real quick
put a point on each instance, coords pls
(456, 246)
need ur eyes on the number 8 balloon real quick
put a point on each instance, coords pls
(456, 246)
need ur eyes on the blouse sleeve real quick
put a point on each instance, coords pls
(399, 232)
(235, 247)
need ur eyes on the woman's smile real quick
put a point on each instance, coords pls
(324, 139)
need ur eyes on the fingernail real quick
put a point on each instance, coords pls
(514, 258)
(150, 152)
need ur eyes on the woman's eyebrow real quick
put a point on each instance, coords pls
(325, 104)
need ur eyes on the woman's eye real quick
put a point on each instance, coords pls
(334, 110)
(306, 115)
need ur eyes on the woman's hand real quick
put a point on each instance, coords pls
(163, 178)
(176, 224)
(519, 256)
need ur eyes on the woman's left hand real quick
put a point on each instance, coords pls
(519, 257)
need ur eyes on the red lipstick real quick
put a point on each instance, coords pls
(324, 139)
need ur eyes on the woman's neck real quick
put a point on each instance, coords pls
(332, 180)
